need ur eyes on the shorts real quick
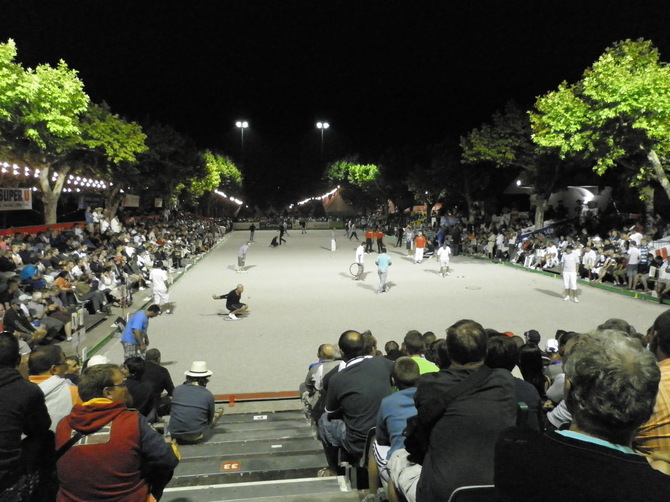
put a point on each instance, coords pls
(131, 350)
(240, 262)
(332, 432)
(235, 306)
(631, 270)
(160, 297)
(405, 474)
(570, 280)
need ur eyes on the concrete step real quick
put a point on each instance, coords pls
(265, 417)
(241, 468)
(234, 432)
(330, 489)
(271, 446)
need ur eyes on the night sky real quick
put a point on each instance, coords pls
(383, 73)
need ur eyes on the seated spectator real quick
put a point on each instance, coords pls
(414, 347)
(353, 397)
(118, 455)
(25, 440)
(46, 367)
(11, 292)
(503, 353)
(613, 384)
(392, 420)
(529, 360)
(65, 288)
(16, 321)
(160, 380)
(392, 350)
(141, 392)
(40, 311)
(653, 436)
(87, 291)
(192, 412)
(308, 391)
(462, 431)
(73, 369)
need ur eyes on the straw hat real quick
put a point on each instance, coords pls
(198, 369)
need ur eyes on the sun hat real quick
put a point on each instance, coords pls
(198, 369)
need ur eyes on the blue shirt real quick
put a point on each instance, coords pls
(383, 261)
(392, 419)
(139, 322)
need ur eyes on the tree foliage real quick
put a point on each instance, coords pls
(221, 174)
(363, 176)
(618, 114)
(112, 148)
(507, 142)
(40, 112)
(171, 159)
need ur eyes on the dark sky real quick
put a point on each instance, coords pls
(383, 73)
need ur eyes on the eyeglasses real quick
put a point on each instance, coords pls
(122, 384)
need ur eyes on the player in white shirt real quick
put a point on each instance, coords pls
(569, 265)
(443, 255)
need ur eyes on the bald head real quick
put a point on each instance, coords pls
(326, 352)
(351, 344)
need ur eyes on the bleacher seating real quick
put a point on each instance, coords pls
(266, 456)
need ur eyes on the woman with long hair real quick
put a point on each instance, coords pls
(532, 369)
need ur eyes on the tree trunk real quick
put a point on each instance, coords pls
(112, 202)
(468, 201)
(647, 195)
(540, 208)
(51, 195)
(659, 173)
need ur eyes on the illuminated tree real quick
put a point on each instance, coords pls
(361, 182)
(113, 145)
(221, 173)
(617, 115)
(40, 125)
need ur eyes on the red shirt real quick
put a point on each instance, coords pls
(380, 235)
(420, 241)
(369, 234)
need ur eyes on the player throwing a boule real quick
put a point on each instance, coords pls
(233, 302)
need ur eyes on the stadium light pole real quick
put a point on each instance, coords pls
(242, 125)
(322, 126)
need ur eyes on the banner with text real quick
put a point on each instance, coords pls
(131, 201)
(14, 199)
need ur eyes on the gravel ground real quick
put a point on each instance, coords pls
(301, 295)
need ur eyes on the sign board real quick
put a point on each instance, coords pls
(131, 201)
(14, 199)
(230, 466)
(158, 202)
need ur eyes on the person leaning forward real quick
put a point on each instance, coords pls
(118, 456)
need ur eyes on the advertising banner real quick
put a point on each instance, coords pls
(13, 199)
(131, 201)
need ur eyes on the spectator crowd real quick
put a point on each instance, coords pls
(486, 407)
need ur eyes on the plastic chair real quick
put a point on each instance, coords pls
(477, 493)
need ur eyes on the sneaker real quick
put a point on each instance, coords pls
(68, 339)
(567, 298)
(142, 288)
(448, 273)
(576, 300)
(233, 317)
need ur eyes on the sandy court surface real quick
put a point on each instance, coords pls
(301, 295)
